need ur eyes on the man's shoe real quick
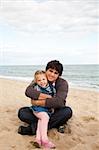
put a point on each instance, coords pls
(25, 130)
(61, 129)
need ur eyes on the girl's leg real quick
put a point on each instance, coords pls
(37, 142)
(43, 125)
(38, 134)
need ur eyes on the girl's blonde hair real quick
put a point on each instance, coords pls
(38, 72)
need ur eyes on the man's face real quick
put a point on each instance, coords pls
(52, 75)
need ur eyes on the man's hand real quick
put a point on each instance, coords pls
(33, 102)
(44, 96)
(38, 102)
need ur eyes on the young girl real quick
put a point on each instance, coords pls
(42, 113)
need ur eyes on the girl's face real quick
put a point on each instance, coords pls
(41, 80)
(52, 75)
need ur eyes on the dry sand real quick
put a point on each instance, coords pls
(81, 133)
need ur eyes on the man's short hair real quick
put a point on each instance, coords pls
(55, 64)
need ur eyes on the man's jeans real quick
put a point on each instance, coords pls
(58, 118)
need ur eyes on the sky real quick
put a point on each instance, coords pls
(33, 32)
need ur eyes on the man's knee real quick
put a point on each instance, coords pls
(21, 112)
(68, 112)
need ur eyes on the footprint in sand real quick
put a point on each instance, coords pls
(9, 110)
(5, 129)
(89, 118)
(95, 146)
(78, 139)
(13, 146)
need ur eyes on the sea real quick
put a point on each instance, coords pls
(79, 76)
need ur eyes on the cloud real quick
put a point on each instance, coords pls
(40, 30)
(50, 16)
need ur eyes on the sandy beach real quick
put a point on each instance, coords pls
(81, 133)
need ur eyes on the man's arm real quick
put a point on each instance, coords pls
(34, 94)
(37, 98)
(61, 93)
(54, 102)
(38, 102)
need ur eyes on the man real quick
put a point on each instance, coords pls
(61, 113)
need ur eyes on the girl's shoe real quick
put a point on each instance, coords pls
(48, 144)
(37, 143)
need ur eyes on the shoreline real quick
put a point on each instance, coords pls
(28, 80)
(81, 130)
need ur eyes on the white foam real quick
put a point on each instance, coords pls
(28, 79)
